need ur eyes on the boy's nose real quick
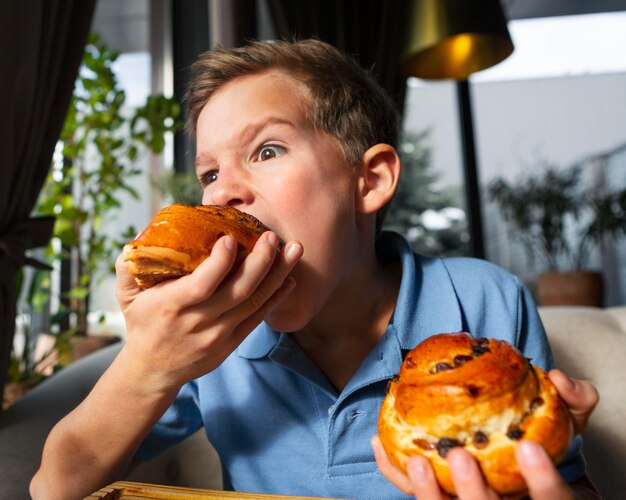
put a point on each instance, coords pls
(231, 188)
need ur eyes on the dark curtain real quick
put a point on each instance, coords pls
(41, 47)
(373, 31)
(190, 38)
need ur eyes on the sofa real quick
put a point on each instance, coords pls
(588, 343)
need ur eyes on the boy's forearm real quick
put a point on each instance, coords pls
(93, 445)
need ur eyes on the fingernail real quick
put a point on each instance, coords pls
(374, 442)
(272, 239)
(564, 379)
(459, 465)
(530, 452)
(229, 242)
(294, 251)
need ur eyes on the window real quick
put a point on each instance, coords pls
(559, 99)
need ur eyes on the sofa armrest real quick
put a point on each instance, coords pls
(25, 426)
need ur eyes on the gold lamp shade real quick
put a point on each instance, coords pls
(451, 39)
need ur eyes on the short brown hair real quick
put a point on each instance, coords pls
(347, 102)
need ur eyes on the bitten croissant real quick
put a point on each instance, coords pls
(481, 394)
(180, 237)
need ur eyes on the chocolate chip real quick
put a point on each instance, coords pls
(514, 432)
(441, 367)
(482, 341)
(446, 444)
(409, 363)
(424, 445)
(481, 440)
(479, 350)
(473, 390)
(536, 403)
(461, 359)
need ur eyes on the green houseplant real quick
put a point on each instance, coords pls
(560, 220)
(93, 168)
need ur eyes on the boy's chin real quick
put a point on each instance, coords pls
(285, 320)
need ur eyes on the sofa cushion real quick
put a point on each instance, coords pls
(590, 343)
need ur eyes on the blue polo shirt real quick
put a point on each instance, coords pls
(280, 427)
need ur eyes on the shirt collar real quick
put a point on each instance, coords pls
(427, 303)
(259, 343)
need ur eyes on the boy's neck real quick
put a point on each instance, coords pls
(352, 322)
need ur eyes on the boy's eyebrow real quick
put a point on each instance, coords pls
(202, 158)
(248, 133)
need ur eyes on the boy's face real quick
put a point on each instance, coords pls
(256, 151)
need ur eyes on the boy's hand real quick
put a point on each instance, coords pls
(543, 480)
(580, 396)
(182, 329)
(542, 477)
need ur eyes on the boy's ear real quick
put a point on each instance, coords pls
(380, 171)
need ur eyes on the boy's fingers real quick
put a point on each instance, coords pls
(580, 396)
(204, 280)
(248, 290)
(423, 479)
(243, 285)
(395, 476)
(126, 287)
(251, 322)
(542, 478)
(467, 476)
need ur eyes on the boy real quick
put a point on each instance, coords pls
(300, 137)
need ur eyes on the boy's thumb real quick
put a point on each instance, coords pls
(126, 287)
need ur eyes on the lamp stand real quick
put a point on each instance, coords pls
(470, 170)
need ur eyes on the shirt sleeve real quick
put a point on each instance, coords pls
(179, 421)
(573, 466)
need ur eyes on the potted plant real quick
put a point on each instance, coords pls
(93, 167)
(560, 220)
(28, 365)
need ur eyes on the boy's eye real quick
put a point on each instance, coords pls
(208, 178)
(269, 151)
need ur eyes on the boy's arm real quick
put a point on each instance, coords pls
(94, 444)
(175, 332)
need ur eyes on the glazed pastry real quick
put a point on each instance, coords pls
(481, 394)
(180, 237)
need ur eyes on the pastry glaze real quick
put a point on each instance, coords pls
(481, 394)
(180, 237)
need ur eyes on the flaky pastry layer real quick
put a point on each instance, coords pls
(180, 237)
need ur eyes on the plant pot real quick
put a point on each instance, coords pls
(82, 345)
(572, 288)
(14, 391)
